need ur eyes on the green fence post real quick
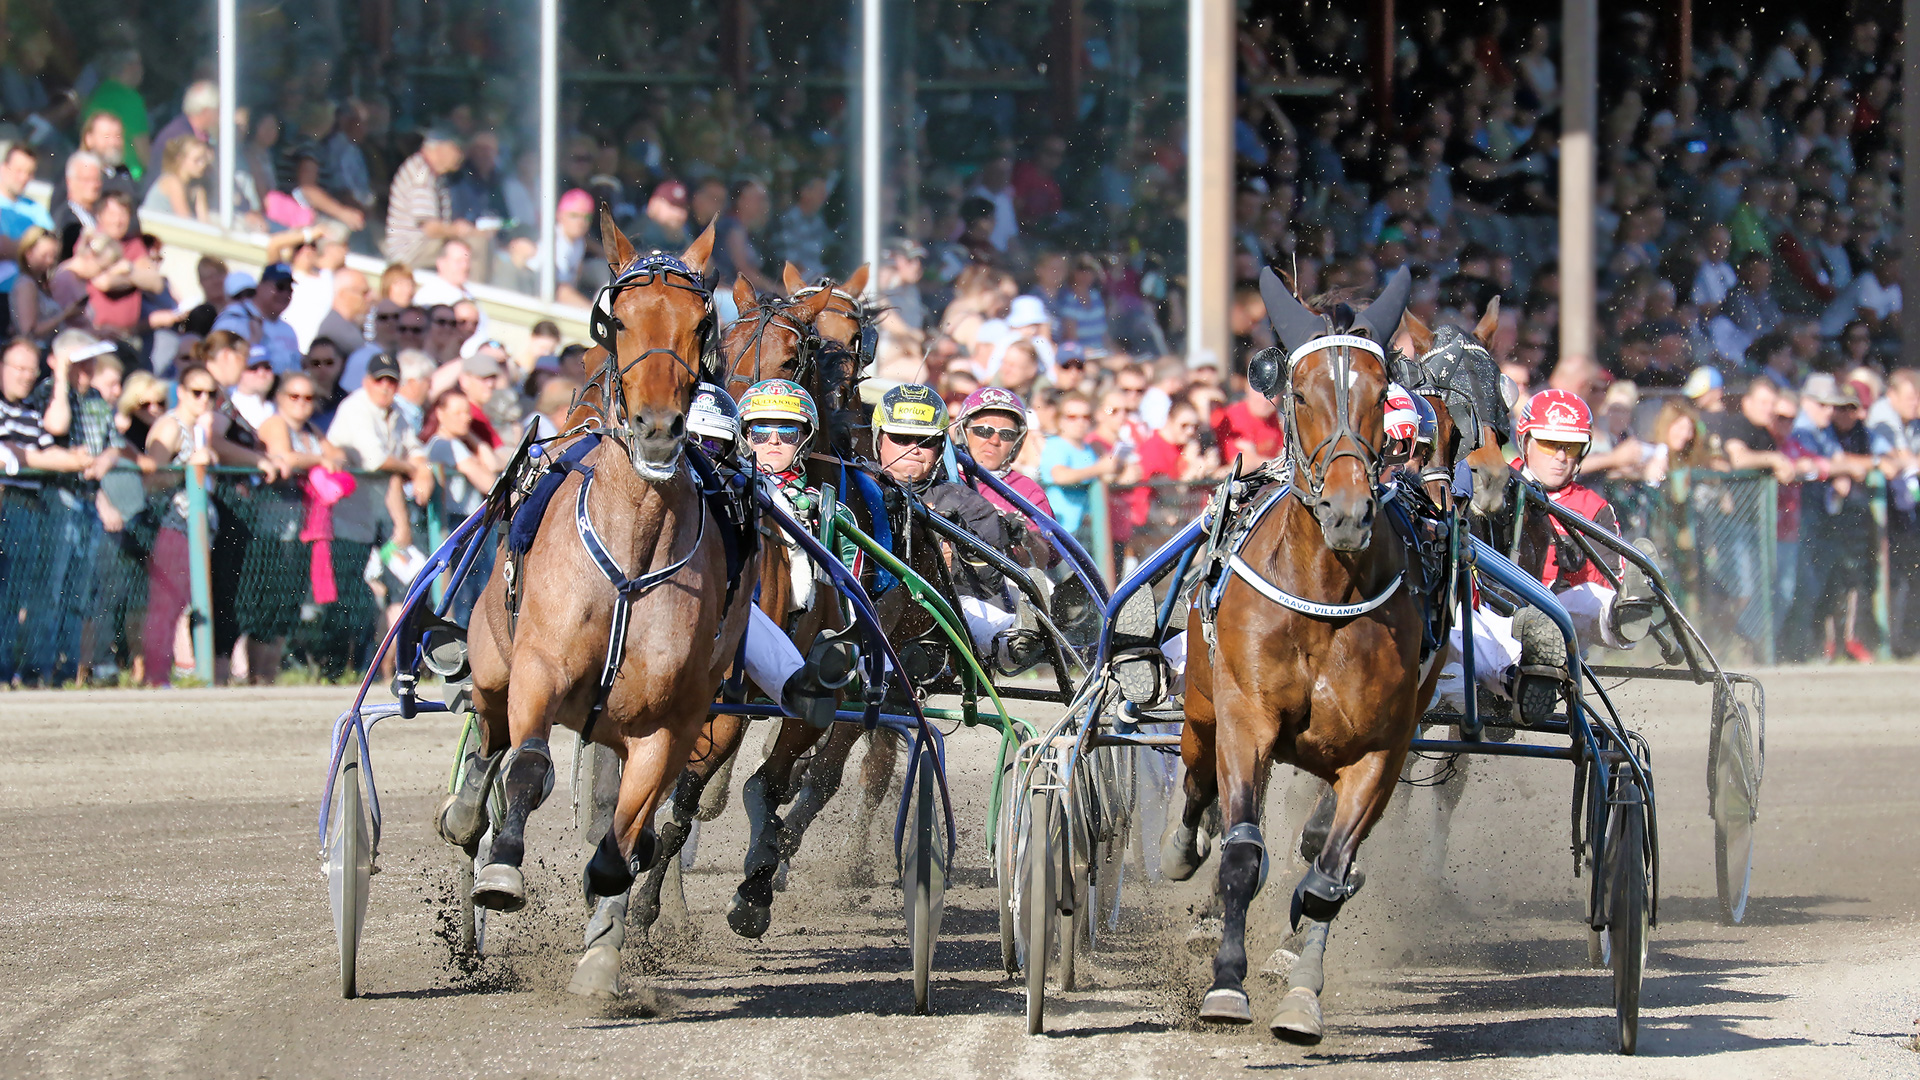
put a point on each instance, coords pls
(1877, 498)
(1769, 563)
(1102, 529)
(199, 573)
(437, 530)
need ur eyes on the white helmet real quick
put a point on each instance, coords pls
(713, 414)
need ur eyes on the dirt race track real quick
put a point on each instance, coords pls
(163, 915)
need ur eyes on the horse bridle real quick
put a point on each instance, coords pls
(868, 344)
(1309, 468)
(772, 314)
(654, 268)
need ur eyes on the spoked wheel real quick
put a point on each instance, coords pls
(1036, 907)
(1006, 871)
(923, 878)
(473, 917)
(1627, 908)
(349, 864)
(1732, 792)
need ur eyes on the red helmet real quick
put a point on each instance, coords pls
(1402, 421)
(1558, 415)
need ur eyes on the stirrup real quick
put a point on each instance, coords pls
(1017, 650)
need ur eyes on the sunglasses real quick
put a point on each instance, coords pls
(787, 434)
(990, 433)
(1073, 365)
(1076, 416)
(713, 445)
(924, 442)
(389, 317)
(1558, 449)
(446, 322)
(466, 322)
(197, 391)
(411, 330)
(298, 397)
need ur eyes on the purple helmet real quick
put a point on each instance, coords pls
(993, 399)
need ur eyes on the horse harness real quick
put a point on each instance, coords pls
(773, 314)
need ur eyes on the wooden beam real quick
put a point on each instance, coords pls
(1381, 35)
(1579, 74)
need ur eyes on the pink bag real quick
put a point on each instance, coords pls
(323, 488)
(284, 209)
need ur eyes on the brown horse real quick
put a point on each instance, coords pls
(663, 630)
(1458, 393)
(1316, 656)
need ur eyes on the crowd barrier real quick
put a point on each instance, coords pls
(236, 554)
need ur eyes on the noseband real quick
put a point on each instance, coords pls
(772, 314)
(1309, 468)
(655, 268)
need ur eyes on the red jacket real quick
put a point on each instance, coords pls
(1591, 505)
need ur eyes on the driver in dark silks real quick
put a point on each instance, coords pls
(909, 433)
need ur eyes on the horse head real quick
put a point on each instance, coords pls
(772, 338)
(848, 339)
(654, 321)
(1456, 373)
(1332, 398)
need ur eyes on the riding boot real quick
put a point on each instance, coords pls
(1538, 678)
(804, 697)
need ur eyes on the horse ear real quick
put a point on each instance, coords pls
(1489, 323)
(619, 250)
(743, 294)
(1290, 318)
(790, 277)
(1419, 334)
(1382, 317)
(700, 251)
(856, 282)
(809, 309)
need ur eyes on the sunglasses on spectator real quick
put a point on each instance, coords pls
(296, 397)
(446, 322)
(1076, 416)
(388, 317)
(990, 433)
(466, 322)
(197, 391)
(412, 330)
(761, 434)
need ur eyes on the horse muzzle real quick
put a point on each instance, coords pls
(657, 444)
(1346, 527)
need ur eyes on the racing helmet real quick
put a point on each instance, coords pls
(1403, 422)
(713, 416)
(911, 410)
(780, 399)
(1557, 415)
(996, 399)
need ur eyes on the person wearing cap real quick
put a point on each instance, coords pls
(420, 204)
(909, 434)
(480, 375)
(664, 228)
(1834, 562)
(1706, 388)
(576, 252)
(1512, 656)
(377, 437)
(252, 395)
(257, 318)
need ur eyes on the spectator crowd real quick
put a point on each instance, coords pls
(1746, 230)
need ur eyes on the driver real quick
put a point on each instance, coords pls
(1511, 656)
(909, 433)
(803, 687)
(995, 422)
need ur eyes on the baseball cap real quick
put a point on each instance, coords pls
(1702, 382)
(259, 355)
(239, 283)
(279, 273)
(906, 249)
(672, 191)
(383, 366)
(1824, 389)
(1069, 354)
(576, 201)
(1027, 311)
(481, 363)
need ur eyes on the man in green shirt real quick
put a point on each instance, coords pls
(119, 94)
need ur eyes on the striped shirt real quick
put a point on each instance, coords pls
(20, 431)
(418, 195)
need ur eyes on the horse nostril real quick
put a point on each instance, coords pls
(678, 428)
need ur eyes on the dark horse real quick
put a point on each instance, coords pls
(1316, 656)
(626, 576)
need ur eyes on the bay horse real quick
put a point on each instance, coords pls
(624, 626)
(1316, 650)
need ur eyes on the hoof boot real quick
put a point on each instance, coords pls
(598, 974)
(499, 887)
(1299, 1020)
(748, 919)
(1226, 1006)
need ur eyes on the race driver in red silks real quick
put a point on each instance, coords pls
(1512, 656)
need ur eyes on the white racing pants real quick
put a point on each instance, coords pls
(771, 657)
(1495, 650)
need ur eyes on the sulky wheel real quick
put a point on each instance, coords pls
(1075, 860)
(1005, 869)
(1730, 782)
(349, 863)
(1036, 907)
(923, 877)
(1627, 907)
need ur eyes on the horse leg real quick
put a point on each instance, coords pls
(1446, 799)
(500, 886)
(1242, 757)
(1185, 845)
(1360, 791)
(713, 754)
(462, 818)
(628, 848)
(751, 910)
(819, 784)
(876, 778)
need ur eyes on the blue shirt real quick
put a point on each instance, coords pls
(18, 215)
(1069, 501)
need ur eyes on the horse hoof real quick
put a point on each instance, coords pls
(463, 833)
(1181, 854)
(1203, 940)
(1299, 1020)
(598, 974)
(1225, 1006)
(748, 919)
(780, 877)
(499, 887)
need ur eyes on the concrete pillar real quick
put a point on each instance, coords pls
(1581, 29)
(1380, 42)
(1910, 152)
(1210, 108)
(549, 143)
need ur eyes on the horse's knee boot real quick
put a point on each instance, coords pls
(1320, 895)
(1244, 835)
(609, 873)
(463, 816)
(529, 780)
